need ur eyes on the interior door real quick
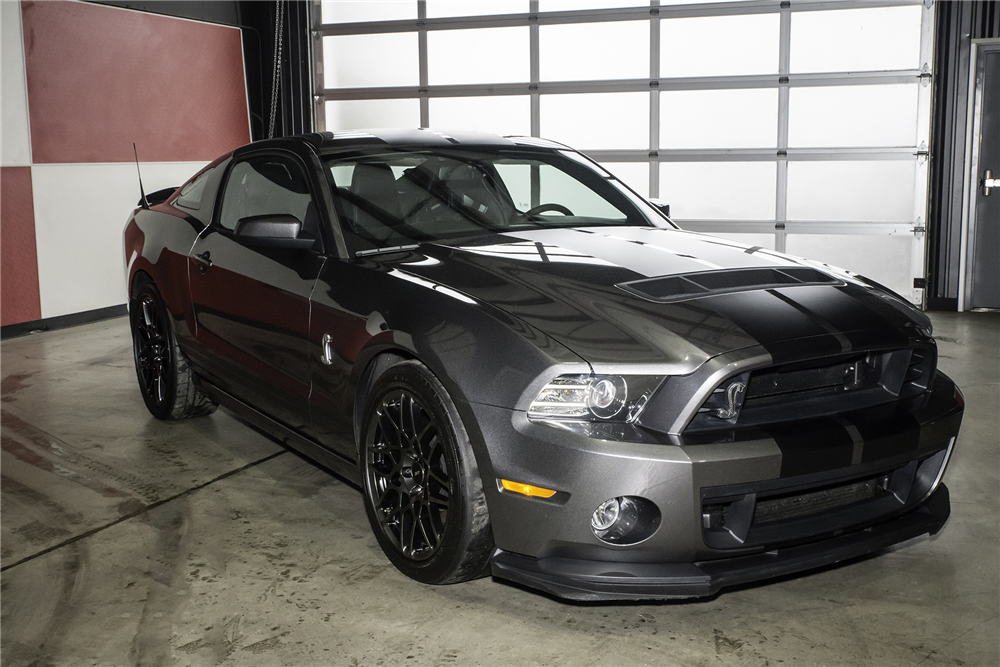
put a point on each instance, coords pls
(985, 230)
(251, 303)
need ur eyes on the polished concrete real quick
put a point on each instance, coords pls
(128, 541)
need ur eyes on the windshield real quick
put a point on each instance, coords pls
(408, 197)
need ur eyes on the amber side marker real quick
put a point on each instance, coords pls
(527, 489)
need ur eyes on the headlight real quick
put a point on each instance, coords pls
(593, 397)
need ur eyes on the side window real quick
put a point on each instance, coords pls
(268, 186)
(191, 194)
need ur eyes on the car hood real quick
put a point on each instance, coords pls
(568, 283)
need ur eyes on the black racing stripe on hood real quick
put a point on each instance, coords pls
(775, 324)
(811, 320)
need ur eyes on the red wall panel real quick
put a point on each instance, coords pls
(100, 78)
(19, 301)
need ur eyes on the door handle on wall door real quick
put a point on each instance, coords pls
(989, 183)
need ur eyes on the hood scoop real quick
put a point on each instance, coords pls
(681, 287)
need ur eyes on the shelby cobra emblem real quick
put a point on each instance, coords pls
(735, 389)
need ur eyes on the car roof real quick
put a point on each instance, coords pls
(399, 137)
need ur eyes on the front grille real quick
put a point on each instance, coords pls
(842, 374)
(815, 388)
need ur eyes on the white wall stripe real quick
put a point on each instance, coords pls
(15, 145)
(80, 212)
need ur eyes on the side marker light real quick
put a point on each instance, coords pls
(527, 489)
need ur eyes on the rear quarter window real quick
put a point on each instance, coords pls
(193, 191)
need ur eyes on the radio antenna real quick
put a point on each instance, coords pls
(142, 202)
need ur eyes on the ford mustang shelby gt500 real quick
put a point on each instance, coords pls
(530, 371)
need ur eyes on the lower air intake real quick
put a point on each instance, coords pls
(804, 504)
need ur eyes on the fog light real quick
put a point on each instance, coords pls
(625, 520)
(605, 515)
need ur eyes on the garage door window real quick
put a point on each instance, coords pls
(751, 119)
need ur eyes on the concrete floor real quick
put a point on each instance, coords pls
(128, 541)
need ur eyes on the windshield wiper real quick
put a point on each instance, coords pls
(383, 251)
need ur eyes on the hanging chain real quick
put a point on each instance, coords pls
(279, 20)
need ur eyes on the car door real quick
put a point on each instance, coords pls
(250, 299)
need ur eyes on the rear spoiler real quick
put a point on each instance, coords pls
(158, 197)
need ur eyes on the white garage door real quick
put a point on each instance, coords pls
(797, 126)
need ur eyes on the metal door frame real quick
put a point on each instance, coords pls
(977, 67)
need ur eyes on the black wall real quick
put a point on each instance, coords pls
(958, 23)
(257, 22)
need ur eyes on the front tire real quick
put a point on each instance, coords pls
(167, 384)
(423, 493)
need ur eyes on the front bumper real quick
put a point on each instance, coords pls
(593, 581)
(897, 452)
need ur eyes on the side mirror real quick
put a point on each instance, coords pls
(273, 231)
(662, 205)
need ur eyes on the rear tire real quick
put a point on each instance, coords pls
(168, 386)
(423, 493)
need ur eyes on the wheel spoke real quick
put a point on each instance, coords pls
(426, 440)
(434, 527)
(386, 418)
(413, 532)
(431, 448)
(390, 487)
(427, 539)
(394, 530)
(408, 405)
(148, 313)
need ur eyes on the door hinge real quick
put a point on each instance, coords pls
(925, 76)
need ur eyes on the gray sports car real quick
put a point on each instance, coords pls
(531, 372)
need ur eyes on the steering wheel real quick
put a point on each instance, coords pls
(542, 208)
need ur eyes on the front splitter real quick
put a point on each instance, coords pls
(594, 581)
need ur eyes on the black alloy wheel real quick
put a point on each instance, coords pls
(152, 352)
(423, 494)
(409, 476)
(167, 384)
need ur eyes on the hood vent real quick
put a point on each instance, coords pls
(667, 289)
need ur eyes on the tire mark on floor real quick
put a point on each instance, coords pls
(142, 510)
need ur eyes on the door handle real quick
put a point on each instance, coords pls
(989, 183)
(326, 350)
(204, 261)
